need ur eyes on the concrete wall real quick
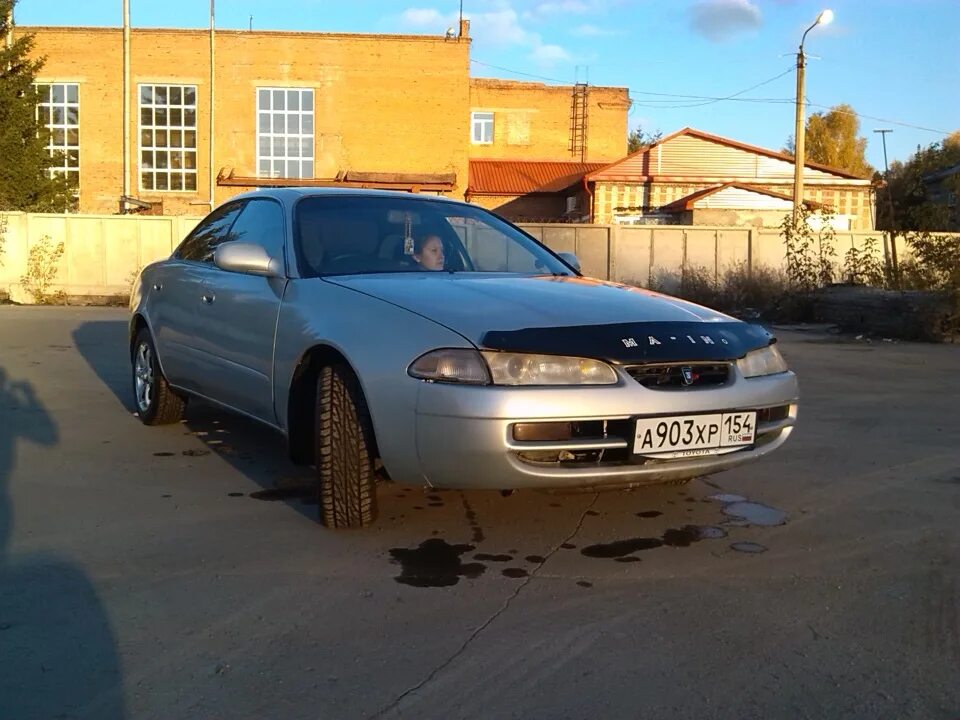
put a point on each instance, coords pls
(102, 252)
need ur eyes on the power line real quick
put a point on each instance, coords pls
(709, 100)
(878, 119)
(735, 96)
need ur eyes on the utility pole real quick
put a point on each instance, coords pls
(9, 19)
(894, 260)
(799, 132)
(126, 105)
(211, 139)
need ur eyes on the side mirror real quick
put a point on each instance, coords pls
(571, 260)
(247, 258)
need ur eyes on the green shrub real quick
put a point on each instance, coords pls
(43, 263)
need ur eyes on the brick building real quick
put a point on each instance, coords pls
(391, 111)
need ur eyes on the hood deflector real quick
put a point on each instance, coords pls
(638, 342)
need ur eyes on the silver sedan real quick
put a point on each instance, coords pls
(429, 342)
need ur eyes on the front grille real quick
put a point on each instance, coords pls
(680, 375)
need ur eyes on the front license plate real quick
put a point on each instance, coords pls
(693, 435)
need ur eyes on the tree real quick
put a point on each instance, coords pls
(25, 181)
(638, 139)
(916, 204)
(832, 138)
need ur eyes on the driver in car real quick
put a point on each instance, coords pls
(428, 252)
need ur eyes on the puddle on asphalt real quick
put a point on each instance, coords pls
(743, 512)
(619, 548)
(748, 547)
(435, 563)
(674, 537)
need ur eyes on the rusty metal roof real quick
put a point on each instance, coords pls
(520, 177)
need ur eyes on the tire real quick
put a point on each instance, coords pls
(347, 487)
(154, 399)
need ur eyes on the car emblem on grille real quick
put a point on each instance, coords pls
(689, 376)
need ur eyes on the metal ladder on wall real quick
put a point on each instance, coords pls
(578, 121)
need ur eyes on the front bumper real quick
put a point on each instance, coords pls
(465, 435)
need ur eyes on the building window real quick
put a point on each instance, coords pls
(168, 137)
(482, 128)
(285, 132)
(58, 110)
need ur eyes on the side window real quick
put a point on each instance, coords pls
(202, 242)
(261, 222)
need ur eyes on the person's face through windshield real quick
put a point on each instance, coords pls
(429, 253)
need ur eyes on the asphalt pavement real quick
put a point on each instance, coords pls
(180, 572)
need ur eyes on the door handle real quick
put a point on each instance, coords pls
(208, 298)
(158, 286)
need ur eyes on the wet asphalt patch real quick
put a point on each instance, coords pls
(438, 563)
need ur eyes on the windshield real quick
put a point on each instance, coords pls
(360, 235)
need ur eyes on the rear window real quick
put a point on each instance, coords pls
(363, 235)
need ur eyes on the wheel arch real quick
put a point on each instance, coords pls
(302, 398)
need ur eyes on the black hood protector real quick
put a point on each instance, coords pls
(636, 342)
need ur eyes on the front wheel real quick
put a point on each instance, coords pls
(347, 481)
(157, 403)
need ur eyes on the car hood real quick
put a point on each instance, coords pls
(568, 315)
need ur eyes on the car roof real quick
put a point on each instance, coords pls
(289, 195)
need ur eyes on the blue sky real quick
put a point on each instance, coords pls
(897, 61)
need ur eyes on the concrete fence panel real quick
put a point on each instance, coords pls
(633, 254)
(103, 252)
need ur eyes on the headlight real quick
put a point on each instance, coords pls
(767, 361)
(501, 368)
(528, 369)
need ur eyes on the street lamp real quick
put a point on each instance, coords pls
(824, 18)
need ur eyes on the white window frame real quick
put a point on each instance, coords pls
(176, 143)
(482, 121)
(67, 165)
(286, 134)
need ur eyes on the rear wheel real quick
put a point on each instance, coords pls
(345, 468)
(157, 403)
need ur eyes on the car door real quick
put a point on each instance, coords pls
(239, 316)
(176, 293)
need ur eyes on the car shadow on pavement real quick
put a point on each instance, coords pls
(58, 654)
(254, 450)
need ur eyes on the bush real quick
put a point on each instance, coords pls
(736, 291)
(43, 263)
(934, 263)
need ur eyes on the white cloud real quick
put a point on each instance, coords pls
(562, 6)
(589, 30)
(549, 54)
(498, 26)
(719, 20)
(422, 18)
